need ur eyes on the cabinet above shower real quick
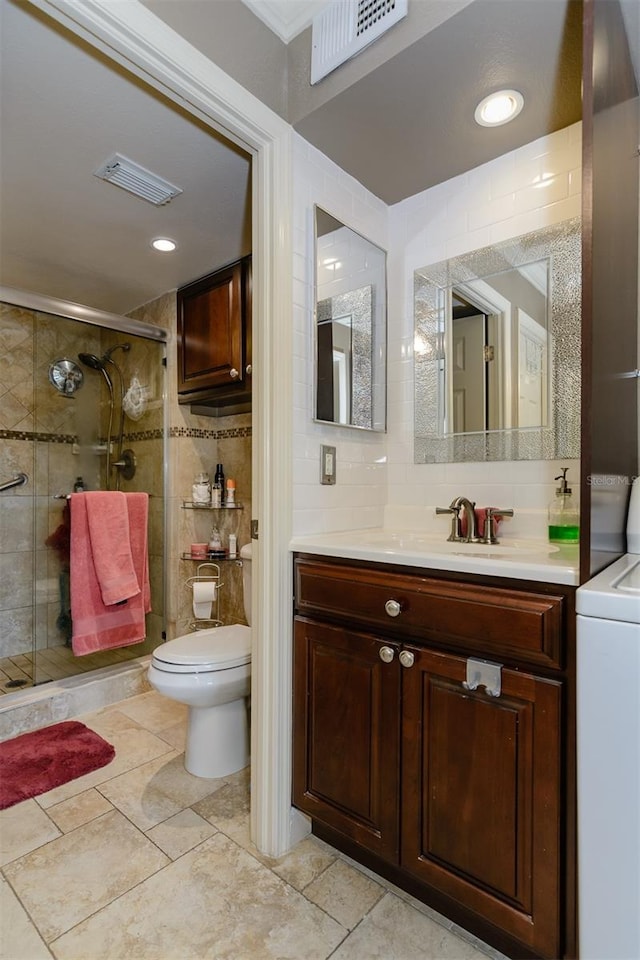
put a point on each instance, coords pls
(214, 341)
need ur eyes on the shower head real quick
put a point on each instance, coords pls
(90, 360)
(125, 347)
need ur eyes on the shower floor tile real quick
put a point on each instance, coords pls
(142, 859)
(57, 663)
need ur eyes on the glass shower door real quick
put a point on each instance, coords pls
(104, 431)
(17, 504)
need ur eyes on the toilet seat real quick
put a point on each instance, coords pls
(205, 651)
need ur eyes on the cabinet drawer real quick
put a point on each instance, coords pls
(487, 620)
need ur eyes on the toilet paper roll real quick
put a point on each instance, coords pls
(204, 595)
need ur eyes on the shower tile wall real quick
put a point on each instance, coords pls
(196, 444)
(37, 440)
(52, 439)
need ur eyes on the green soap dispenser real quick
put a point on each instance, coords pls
(564, 515)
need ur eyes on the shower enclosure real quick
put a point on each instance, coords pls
(82, 408)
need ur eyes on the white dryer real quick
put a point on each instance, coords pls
(608, 740)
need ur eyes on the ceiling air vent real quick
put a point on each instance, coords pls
(131, 176)
(346, 27)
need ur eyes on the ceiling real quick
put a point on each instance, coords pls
(409, 124)
(287, 18)
(65, 110)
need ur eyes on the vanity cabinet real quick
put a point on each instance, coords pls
(214, 337)
(451, 792)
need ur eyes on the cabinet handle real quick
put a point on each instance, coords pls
(387, 654)
(483, 673)
(393, 608)
(248, 370)
(406, 658)
(233, 373)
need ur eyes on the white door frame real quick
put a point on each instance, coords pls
(135, 38)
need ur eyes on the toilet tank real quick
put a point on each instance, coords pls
(245, 556)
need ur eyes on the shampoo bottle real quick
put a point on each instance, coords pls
(564, 516)
(219, 479)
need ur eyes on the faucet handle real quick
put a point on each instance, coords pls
(454, 510)
(493, 514)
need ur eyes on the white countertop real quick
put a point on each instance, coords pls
(514, 558)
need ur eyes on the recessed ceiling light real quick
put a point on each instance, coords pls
(499, 108)
(163, 244)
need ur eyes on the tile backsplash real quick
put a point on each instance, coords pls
(359, 495)
(377, 480)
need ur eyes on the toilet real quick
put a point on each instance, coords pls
(210, 671)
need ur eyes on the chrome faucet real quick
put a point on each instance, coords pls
(462, 507)
(459, 508)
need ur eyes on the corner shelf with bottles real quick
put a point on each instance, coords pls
(218, 555)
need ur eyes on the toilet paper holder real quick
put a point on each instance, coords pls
(206, 573)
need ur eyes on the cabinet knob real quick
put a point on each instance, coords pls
(406, 658)
(387, 654)
(248, 370)
(393, 608)
(233, 373)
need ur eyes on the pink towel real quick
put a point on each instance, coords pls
(111, 548)
(96, 625)
(481, 521)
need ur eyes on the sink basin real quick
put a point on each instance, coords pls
(513, 557)
(408, 542)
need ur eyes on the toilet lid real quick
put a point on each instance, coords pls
(218, 648)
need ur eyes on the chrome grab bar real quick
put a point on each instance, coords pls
(16, 482)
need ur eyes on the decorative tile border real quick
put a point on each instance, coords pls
(157, 434)
(34, 435)
(223, 434)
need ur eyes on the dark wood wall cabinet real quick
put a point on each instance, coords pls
(454, 789)
(214, 339)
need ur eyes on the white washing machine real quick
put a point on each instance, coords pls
(608, 734)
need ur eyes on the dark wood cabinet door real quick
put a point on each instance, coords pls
(481, 795)
(211, 332)
(347, 733)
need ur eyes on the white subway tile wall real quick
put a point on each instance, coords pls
(360, 492)
(377, 481)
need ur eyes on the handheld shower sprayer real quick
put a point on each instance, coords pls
(99, 363)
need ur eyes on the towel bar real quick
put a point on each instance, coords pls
(17, 481)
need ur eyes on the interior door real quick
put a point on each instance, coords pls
(468, 373)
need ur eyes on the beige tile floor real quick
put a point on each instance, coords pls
(142, 860)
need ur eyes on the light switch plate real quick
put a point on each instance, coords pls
(327, 464)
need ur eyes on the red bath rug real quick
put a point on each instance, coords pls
(43, 759)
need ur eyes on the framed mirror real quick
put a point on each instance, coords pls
(497, 351)
(350, 327)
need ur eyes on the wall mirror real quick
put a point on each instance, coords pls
(350, 327)
(497, 351)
